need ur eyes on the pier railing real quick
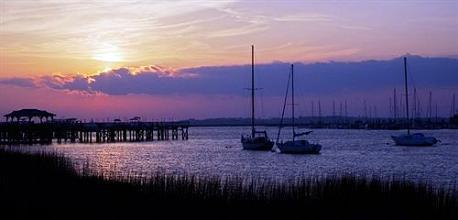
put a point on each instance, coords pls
(93, 132)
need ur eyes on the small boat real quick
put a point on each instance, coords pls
(258, 140)
(295, 146)
(299, 147)
(416, 139)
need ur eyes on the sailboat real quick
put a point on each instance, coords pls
(258, 140)
(295, 146)
(416, 139)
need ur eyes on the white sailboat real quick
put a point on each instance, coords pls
(416, 139)
(258, 140)
(295, 146)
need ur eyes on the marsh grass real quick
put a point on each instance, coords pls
(47, 185)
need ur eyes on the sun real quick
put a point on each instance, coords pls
(108, 53)
(108, 57)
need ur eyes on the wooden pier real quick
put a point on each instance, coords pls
(103, 132)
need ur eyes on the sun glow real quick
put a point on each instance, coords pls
(108, 53)
(109, 57)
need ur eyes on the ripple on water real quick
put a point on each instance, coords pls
(217, 151)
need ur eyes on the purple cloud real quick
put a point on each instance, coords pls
(312, 79)
(21, 82)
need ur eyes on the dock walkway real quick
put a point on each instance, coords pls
(94, 132)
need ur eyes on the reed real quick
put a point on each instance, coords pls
(47, 185)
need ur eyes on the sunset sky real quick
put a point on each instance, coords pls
(44, 43)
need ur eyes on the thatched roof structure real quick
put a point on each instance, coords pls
(29, 113)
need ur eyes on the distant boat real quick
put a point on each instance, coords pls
(416, 139)
(295, 146)
(258, 140)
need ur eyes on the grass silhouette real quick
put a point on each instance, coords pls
(44, 185)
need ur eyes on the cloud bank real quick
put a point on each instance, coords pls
(311, 79)
(157, 92)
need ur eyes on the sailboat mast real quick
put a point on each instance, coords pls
(407, 95)
(252, 92)
(283, 110)
(292, 99)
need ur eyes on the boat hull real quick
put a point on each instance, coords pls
(415, 140)
(299, 147)
(258, 146)
(260, 142)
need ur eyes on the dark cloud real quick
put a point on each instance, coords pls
(317, 78)
(21, 82)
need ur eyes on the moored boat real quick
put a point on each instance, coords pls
(295, 146)
(416, 139)
(258, 140)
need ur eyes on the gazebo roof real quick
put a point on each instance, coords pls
(30, 113)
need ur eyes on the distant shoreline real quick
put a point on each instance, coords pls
(312, 127)
(335, 122)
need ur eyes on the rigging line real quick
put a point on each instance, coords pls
(301, 93)
(415, 95)
(284, 107)
(416, 100)
(410, 75)
(261, 100)
(304, 108)
(247, 107)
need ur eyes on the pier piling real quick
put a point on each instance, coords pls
(49, 132)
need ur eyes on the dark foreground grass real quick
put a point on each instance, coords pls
(36, 186)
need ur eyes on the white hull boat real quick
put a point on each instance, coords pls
(417, 139)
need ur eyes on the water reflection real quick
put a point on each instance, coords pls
(217, 151)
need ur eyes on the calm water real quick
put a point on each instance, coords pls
(217, 151)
